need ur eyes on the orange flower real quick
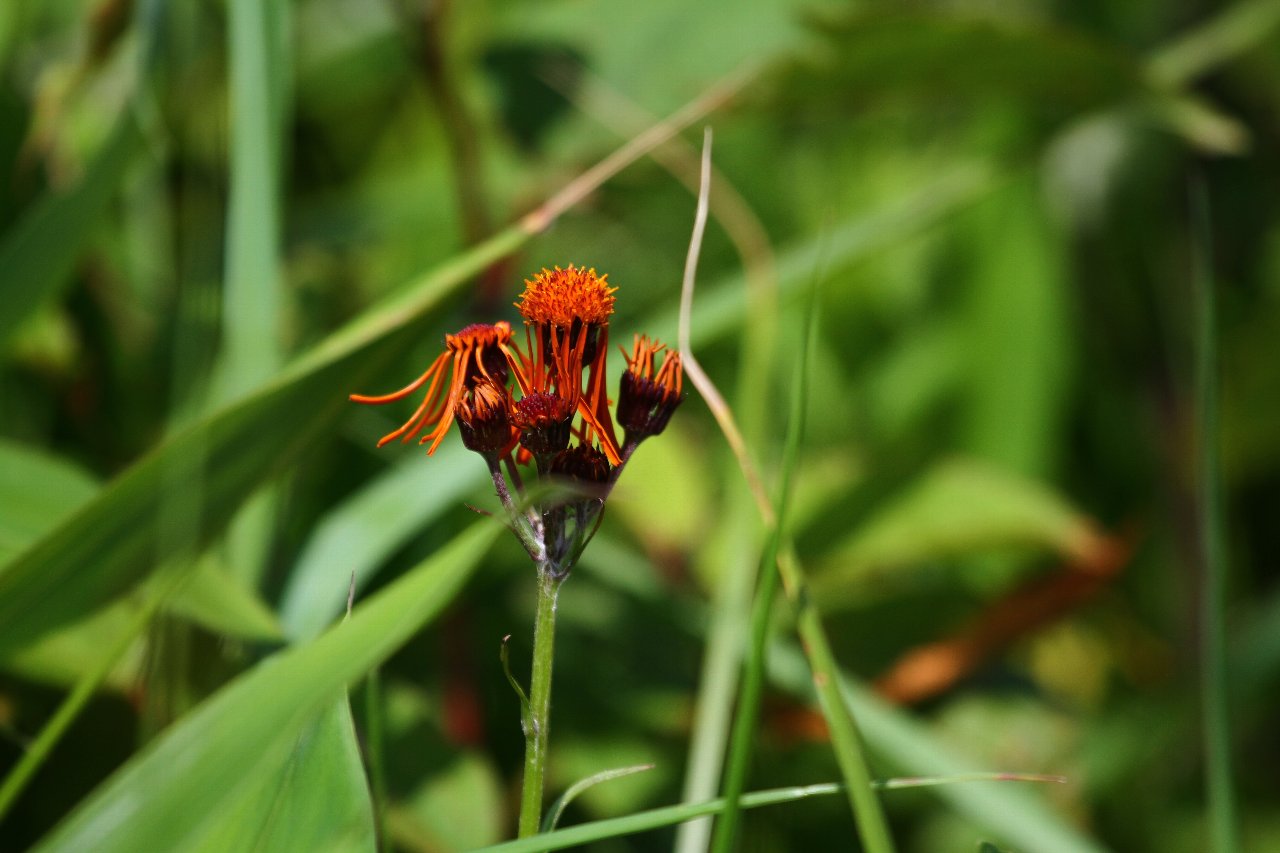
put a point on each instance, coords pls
(475, 354)
(566, 314)
(647, 398)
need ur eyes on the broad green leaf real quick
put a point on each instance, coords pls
(219, 600)
(67, 655)
(112, 542)
(316, 799)
(959, 507)
(1016, 331)
(359, 534)
(225, 747)
(37, 491)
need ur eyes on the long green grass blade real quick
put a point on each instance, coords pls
(900, 741)
(744, 725)
(1211, 544)
(253, 291)
(653, 819)
(224, 747)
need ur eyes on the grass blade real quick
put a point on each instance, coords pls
(223, 747)
(253, 291)
(721, 310)
(653, 819)
(562, 802)
(1211, 542)
(744, 726)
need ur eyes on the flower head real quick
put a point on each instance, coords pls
(484, 418)
(544, 422)
(566, 314)
(647, 398)
(563, 298)
(474, 354)
(583, 465)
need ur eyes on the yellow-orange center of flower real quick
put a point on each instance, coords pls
(559, 297)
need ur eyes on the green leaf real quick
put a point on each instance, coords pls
(37, 491)
(360, 533)
(227, 746)
(70, 654)
(112, 542)
(219, 600)
(253, 289)
(315, 799)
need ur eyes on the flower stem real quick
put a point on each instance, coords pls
(539, 722)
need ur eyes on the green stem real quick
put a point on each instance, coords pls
(1212, 557)
(873, 829)
(535, 755)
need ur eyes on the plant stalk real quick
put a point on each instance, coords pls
(539, 720)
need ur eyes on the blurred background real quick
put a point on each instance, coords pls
(1017, 214)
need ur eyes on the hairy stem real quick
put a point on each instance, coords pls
(535, 755)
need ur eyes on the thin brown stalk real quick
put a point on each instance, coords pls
(693, 369)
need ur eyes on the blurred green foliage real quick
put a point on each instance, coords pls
(218, 218)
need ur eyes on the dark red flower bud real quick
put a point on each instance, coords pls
(483, 417)
(647, 399)
(544, 422)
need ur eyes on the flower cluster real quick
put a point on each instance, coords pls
(546, 404)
